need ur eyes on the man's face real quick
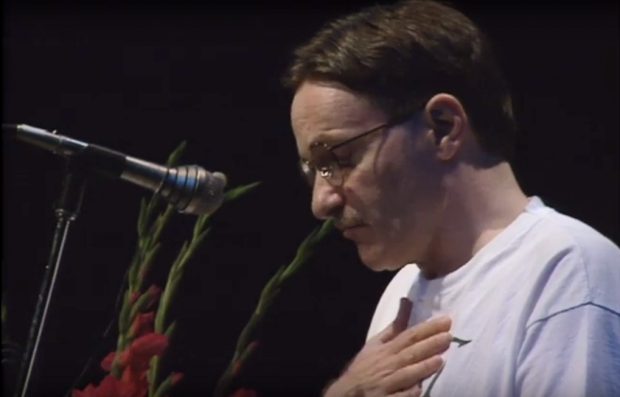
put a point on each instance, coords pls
(390, 200)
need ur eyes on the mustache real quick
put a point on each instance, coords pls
(347, 221)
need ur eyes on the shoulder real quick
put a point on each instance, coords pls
(580, 265)
(579, 245)
(589, 242)
(558, 233)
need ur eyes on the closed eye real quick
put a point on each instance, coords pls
(344, 163)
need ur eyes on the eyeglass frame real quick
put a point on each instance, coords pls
(310, 170)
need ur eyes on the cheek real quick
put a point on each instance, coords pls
(363, 193)
(378, 189)
(410, 190)
(397, 189)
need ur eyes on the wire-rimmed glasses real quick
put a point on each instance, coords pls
(326, 163)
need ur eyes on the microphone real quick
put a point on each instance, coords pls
(190, 188)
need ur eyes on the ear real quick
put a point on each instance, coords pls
(447, 118)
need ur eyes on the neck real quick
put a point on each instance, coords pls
(478, 205)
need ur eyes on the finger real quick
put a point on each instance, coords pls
(399, 324)
(420, 332)
(415, 391)
(424, 349)
(413, 374)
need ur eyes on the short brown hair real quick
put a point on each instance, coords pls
(400, 55)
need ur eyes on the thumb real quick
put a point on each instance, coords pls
(400, 322)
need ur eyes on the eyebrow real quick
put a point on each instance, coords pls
(321, 137)
(335, 140)
(328, 138)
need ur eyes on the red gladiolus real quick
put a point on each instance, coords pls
(134, 297)
(143, 349)
(106, 363)
(135, 363)
(112, 387)
(139, 353)
(89, 391)
(176, 377)
(154, 292)
(239, 363)
(244, 393)
(143, 324)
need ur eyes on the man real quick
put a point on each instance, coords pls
(404, 126)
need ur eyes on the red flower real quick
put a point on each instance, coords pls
(239, 363)
(244, 393)
(176, 377)
(154, 292)
(112, 387)
(134, 297)
(135, 363)
(106, 363)
(143, 349)
(89, 391)
(139, 353)
(143, 324)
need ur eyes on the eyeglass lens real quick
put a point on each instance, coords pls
(325, 162)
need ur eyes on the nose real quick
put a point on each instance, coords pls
(327, 200)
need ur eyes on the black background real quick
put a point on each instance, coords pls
(139, 77)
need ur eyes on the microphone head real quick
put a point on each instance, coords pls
(193, 190)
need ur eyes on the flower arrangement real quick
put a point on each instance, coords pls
(145, 330)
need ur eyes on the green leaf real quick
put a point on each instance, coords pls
(293, 267)
(199, 239)
(146, 264)
(161, 222)
(273, 281)
(152, 374)
(164, 387)
(239, 191)
(200, 223)
(243, 357)
(325, 229)
(180, 256)
(152, 205)
(306, 248)
(140, 305)
(170, 330)
(142, 218)
(176, 154)
(123, 317)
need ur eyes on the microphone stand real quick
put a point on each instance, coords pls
(66, 211)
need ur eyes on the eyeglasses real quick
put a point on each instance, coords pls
(324, 161)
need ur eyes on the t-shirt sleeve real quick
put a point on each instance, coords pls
(573, 353)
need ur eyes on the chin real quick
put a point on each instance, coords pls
(376, 259)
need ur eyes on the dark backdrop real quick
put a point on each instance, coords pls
(141, 77)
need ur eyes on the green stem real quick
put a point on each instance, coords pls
(268, 294)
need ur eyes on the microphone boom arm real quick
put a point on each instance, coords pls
(191, 189)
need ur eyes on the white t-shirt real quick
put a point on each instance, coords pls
(540, 304)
